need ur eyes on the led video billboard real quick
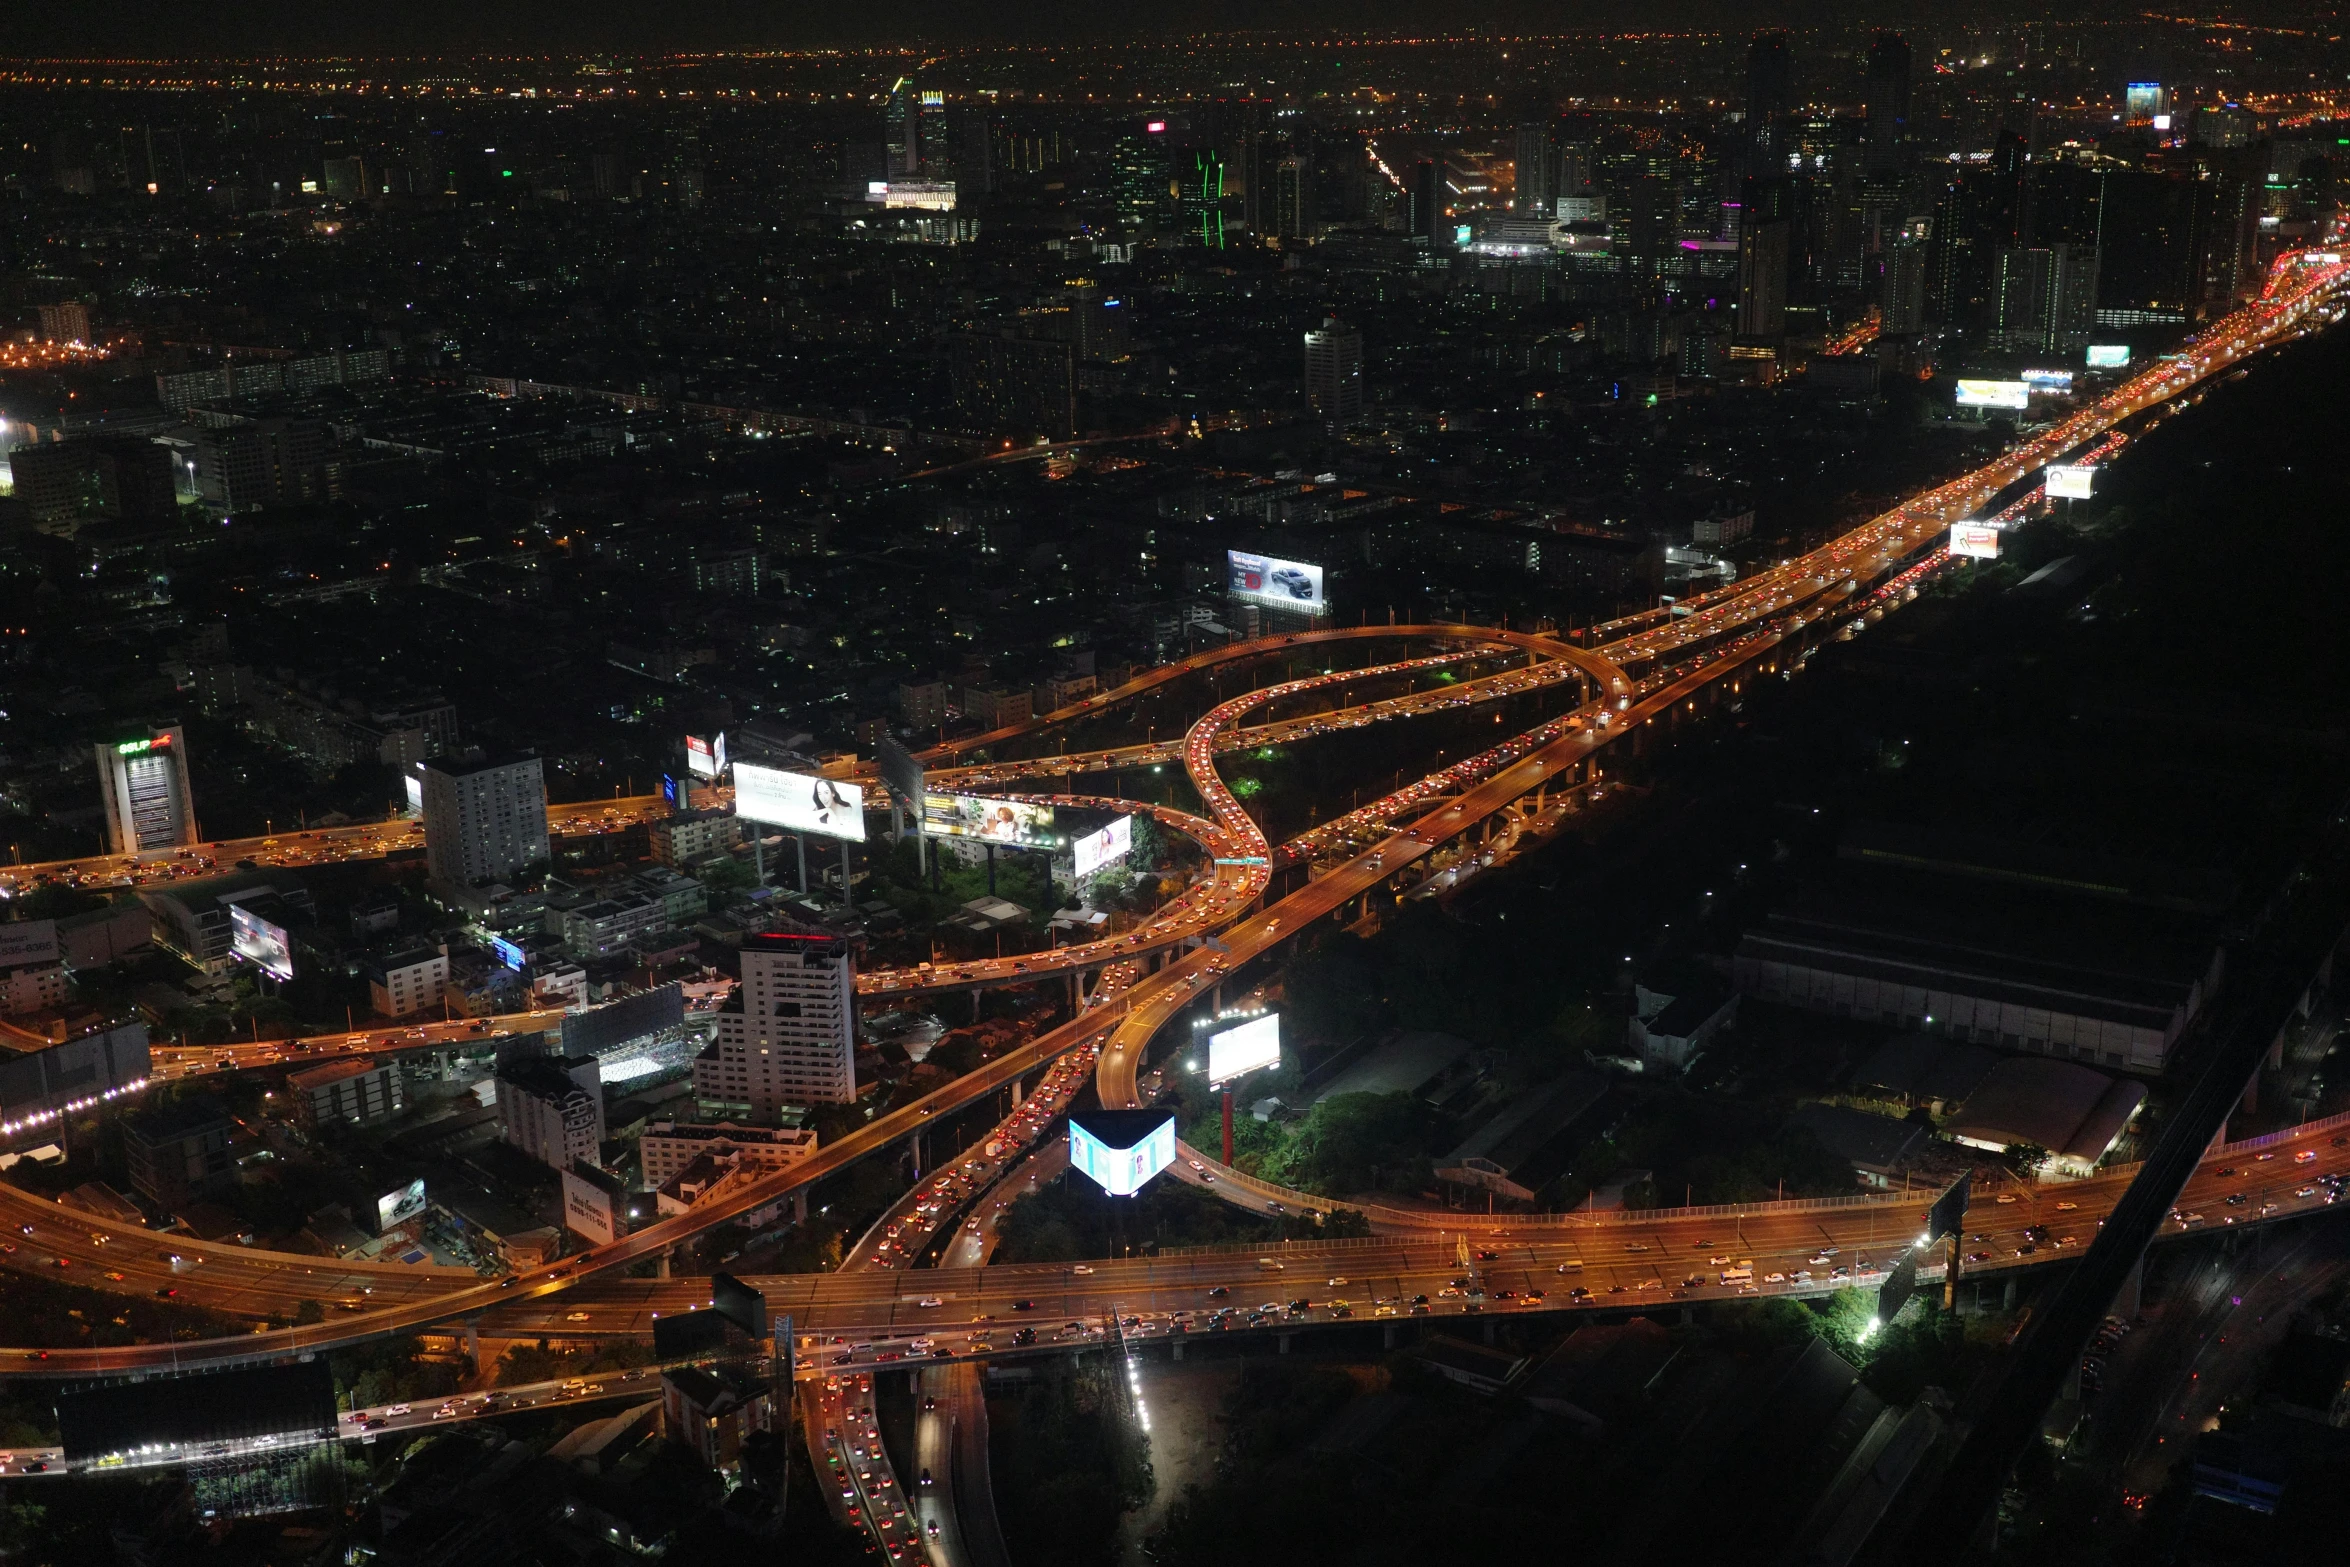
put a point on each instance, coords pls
(1974, 540)
(1097, 849)
(2108, 356)
(260, 943)
(1244, 1047)
(2016, 395)
(1284, 584)
(1017, 824)
(2069, 481)
(799, 802)
(2049, 380)
(1121, 1149)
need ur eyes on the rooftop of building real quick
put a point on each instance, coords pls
(2068, 1109)
(329, 1072)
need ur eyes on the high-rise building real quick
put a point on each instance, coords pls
(1762, 279)
(1293, 197)
(2046, 300)
(1142, 180)
(1888, 103)
(484, 819)
(144, 779)
(1427, 199)
(903, 119)
(1537, 170)
(68, 322)
(1770, 99)
(1904, 305)
(1199, 204)
(264, 462)
(1008, 382)
(789, 1035)
(1334, 373)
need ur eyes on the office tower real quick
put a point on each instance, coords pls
(1573, 175)
(1199, 205)
(1100, 326)
(1904, 304)
(1762, 279)
(1293, 197)
(484, 818)
(1141, 181)
(971, 142)
(1887, 148)
(345, 179)
(1537, 171)
(1334, 373)
(2147, 103)
(2046, 299)
(144, 780)
(2152, 228)
(789, 1035)
(1427, 199)
(903, 121)
(1770, 98)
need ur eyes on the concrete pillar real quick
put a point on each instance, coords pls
(665, 1255)
(2128, 1301)
(1177, 1346)
(473, 1341)
(2008, 1303)
(1284, 1343)
(1488, 1330)
(1387, 1335)
(799, 1206)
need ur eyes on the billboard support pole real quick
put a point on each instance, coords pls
(847, 892)
(800, 843)
(1227, 1128)
(991, 870)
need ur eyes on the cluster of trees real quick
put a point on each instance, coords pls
(1069, 1461)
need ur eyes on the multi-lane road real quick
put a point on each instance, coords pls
(1725, 633)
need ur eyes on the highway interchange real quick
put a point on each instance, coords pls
(1421, 1263)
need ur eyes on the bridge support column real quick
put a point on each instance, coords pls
(1177, 1347)
(1489, 1330)
(473, 1341)
(799, 1206)
(664, 1273)
(1284, 1343)
(2132, 1296)
(2008, 1302)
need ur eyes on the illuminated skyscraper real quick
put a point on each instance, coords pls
(148, 802)
(1201, 200)
(789, 1035)
(1334, 373)
(483, 819)
(1770, 98)
(1888, 103)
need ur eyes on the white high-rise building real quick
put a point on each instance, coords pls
(1334, 373)
(483, 820)
(789, 1036)
(145, 781)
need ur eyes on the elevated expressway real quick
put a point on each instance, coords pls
(1680, 658)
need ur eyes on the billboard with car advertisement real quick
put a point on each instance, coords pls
(1281, 584)
(399, 1205)
(799, 802)
(258, 942)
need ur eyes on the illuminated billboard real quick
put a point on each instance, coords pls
(2108, 356)
(1015, 823)
(2069, 481)
(1285, 584)
(1995, 394)
(1121, 1149)
(412, 784)
(399, 1205)
(588, 1210)
(1097, 849)
(509, 953)
(2049, 380)
(1244, 1047)
(260, 943)
(701, 757)
(799, 802)
(1974, 540)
